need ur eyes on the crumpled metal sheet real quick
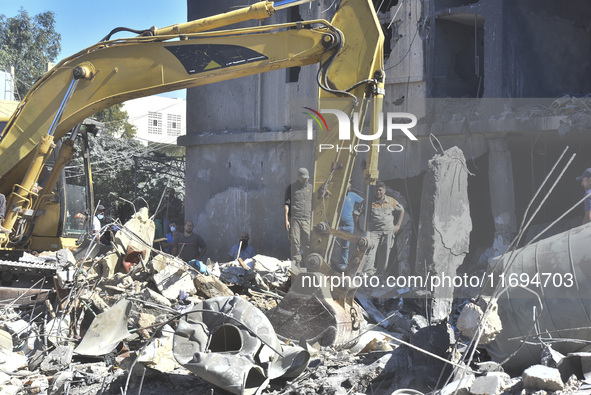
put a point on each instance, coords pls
(556, 272)
(106, 331)
(232, 344)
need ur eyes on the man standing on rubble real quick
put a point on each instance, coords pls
(189, 245)
(385, 217)
(297, 213)
(585, 179)
(347, 222)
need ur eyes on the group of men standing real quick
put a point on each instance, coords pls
(385, 216)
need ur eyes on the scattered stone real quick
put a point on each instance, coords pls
(16, 327)
(57, 360)
(210, 286)
(172, 280)
(4, 378)
(150, 295)
(59, 382)
(540, 377)
(5, 341)
(11, 361)
(141, 225)
(489, 366)
(491, 384)
(470, 321)
(459, 387)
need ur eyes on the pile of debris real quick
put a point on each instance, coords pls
(131, 318)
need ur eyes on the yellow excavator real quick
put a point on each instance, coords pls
(349, 51)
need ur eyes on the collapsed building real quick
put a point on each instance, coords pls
(485, 142)
(500, 89)
(489, 77)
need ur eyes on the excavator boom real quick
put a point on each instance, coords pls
(350, 78)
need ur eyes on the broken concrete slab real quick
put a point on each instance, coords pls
(172, 280)
(444, 227)
(58, 329)
(59, 382)
(491, 384)
(57, 360)
(16, 327)
(540, 377)
(150, 295)
(5, 341)
(108, 265)
(158, 354)
(460, 386)
(12, 361)
(210, 286)
(10, 389)
(137, 234)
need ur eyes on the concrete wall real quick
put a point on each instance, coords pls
(546, 48)
(237, 183)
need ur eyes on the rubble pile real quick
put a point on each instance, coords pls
(131, 319)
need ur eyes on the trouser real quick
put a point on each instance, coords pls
(345, 244)
(299, 235)
(2, 206)
(378, 256)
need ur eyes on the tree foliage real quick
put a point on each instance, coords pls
(115, 175)
(116, 122)
(28, 43)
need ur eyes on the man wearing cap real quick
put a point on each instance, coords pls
(297, 212)
(585, 179)
(96, 221)
(385, 218)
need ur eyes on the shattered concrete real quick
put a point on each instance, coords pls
(121, 330)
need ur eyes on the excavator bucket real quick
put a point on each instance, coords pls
(320, 306)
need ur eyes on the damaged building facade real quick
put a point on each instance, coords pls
(503, 81)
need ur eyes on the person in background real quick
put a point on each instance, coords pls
(2, 213)
(170, 237)
(585, 180)
(347, 223)
(96, 221)
(189, 245)
(246, 250)
(385, 217)
(298, 214)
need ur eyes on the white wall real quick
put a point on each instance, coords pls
(157, 119)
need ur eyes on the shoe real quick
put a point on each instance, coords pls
(4, 230)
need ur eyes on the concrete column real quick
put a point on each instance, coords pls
(502, 195)
(444, 228)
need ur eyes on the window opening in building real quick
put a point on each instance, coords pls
(173, 127)
(154, 122)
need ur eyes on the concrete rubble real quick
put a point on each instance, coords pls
(133, 319)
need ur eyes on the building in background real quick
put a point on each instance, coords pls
(502, 80)
(157, 119)
(7, 85)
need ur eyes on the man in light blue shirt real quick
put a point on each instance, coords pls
(347, 222)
